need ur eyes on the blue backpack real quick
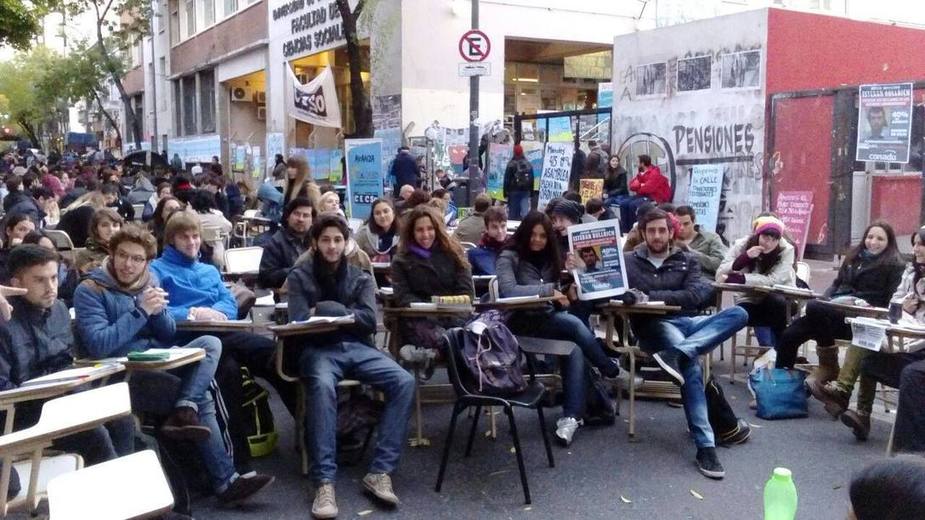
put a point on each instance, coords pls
(491, 353)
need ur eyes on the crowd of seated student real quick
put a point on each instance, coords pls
(378, 236)
(287, 244)
(494, 237)
(68, 277)
(103, 225)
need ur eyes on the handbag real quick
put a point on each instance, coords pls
(779, 392)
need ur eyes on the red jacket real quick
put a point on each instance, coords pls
(651, 183)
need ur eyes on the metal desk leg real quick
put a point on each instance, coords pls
(418, 441)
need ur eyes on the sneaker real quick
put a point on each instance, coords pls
(183, 424)
(622, 378)
(565, 429)
(423, 358)
(324, 505)
(670, 361)
(242, 488)
(739, 435)
(708, 463)
(834, 400)
(858, 422)
(379, 485)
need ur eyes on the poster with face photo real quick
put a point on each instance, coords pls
(601, 271)
(884, 122)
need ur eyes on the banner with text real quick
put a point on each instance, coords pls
(600, 272)
(590, 189)
(795, 209)
(704, 193)
(498, 157)
(364, 175)
(315, 102)
(557, 165)
(884, 122)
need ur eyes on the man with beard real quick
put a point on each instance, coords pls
(287, 244)
(120, 309)
(665, 273)
(327, 285)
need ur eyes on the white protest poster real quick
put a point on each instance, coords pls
(315, 102)
(703, 196)
(557, 166)
(601, 271)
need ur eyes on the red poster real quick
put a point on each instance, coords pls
(795, 208)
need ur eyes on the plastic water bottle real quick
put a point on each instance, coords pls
(780, 496)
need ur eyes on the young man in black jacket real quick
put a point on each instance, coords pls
(665, 273)
(326, 285)
(287, 244)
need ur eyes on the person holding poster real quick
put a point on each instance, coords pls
(665, 273)
(518, 183)
(598, 260)
(529, 266)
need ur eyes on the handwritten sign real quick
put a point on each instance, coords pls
(364, 174)
(704, 193)
(498, 157)
(795, 208)
(557, 165)
(591, 189)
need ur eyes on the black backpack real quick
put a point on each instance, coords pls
(491, 353)
(523, 176)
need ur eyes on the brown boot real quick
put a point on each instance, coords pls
(828, 364)
(835, 401)
(858, 422)
(183, 424)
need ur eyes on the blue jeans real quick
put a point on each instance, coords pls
(196, 377)
(322, 367)
(518, 204)
(693, 336)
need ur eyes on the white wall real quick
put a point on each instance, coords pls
(670, 116)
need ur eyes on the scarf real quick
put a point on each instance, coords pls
(140, 284)
(420, 251)
(488, 242)
(328, 279)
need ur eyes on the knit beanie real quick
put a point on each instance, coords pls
(768, 223)
(567, 208)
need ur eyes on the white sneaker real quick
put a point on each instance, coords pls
(565, 429)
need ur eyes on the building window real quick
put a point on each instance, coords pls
(189, 105)
(174, 21)
(207, 100)
(190, 9)
(741, 69)
(230, 7)
(138, 106)
(178, 108)
(208, 13)
(695, 73)
(652, 79)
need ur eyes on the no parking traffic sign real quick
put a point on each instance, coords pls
(474, 46)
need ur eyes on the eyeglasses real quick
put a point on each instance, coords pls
(136, 259)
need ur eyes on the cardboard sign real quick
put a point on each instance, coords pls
(590, 189)
(795, 208)
(704, 193)
(557, 166)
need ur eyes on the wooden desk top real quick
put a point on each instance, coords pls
(428, 312)
(214, 325)
(133, 486)
(312, 326)
(734, 287)
(58, 383)
(657, 308)
(516, 304)
(893, 329)
(792, 293)
(857, 310)
(178, 356)
(554, 347)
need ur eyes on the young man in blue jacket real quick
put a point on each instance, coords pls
(665, 273)
(120, 309)
(36, 340)
(327, 285)
(197, 292)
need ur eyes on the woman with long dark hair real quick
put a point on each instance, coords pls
(104, 224)
(428, 263)
(868, 276)
(763, 258)
(167, 205)
(378, 236)
(530, 266)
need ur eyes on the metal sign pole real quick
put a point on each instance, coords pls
(474, 173)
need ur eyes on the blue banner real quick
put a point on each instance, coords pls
(364, 174)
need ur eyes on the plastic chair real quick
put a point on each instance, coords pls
(467, 396)
(60, 239)
(243, 260)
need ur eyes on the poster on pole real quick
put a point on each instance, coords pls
(274, 147)
(704, 194)
(590, 189)
(337, 166)
(498, 157)
(795, 208)
(458, 154)
(884, 122)
(533, 151)
(601, 272)
(557, 165)
(364, 175)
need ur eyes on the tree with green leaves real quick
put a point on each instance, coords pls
(21, 21)
(85, 78)
(35, 92)
(113, 40)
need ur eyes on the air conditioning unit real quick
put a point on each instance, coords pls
(242, 94)
(262, 113)
(261, 98)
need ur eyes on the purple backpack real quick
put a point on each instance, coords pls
(491, 353)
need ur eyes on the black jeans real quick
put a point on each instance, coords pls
(770, 312)
(821, 323)
(906, 371)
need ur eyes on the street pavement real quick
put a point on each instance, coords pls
(602, 475)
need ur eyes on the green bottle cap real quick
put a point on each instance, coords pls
(782, 473)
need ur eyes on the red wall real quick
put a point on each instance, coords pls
(803, 136)
(898, 200)
(808, 51)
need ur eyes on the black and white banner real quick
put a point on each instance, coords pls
(315, 102)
